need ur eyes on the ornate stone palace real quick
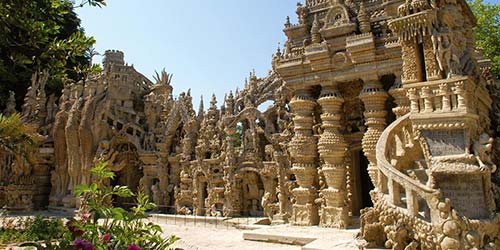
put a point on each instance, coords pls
(381, 109)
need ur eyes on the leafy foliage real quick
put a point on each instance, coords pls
(41, 35)
(487, 31)
(102, 226)
(98, 3)
(16, 137)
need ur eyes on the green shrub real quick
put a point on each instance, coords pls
(101, 226)
(31, 229)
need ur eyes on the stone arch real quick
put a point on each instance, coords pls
(251, 184)
(126, 165)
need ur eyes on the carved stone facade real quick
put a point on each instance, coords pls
(373, 108)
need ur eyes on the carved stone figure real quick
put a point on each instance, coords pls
(482, 150)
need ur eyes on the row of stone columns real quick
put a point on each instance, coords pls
(332, 148)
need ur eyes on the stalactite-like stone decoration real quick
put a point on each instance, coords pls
(400, 98)
(332, 148)
(304, 155)
(373, 96)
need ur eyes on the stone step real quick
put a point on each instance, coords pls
(255, 235)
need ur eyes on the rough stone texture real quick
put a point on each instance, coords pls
(364, 92)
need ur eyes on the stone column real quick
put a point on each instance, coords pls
(332, 148)
(373, 96)
(304, 157)
(411, 65)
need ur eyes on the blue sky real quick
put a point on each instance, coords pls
(209, 46)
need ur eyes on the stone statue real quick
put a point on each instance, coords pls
(155, 189)
(442, 49)
(265, 203)
(482, 150)
(10, 107)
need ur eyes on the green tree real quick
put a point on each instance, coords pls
(487, 31)
(40, 35)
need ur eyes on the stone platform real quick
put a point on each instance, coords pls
(200, 232)
(185, 219)
(309, 238)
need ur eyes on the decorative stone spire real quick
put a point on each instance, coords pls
(253, 76)
(42, 97)
(315, 35)
(213, 102)
(230, 103)
(201, 109)
(223, 106)
(287, 22)
(302, 13)
(363, 19)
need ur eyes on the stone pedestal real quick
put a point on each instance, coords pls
(304, 154)
(332, 148)
(305, 211)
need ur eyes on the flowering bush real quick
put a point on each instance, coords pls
(101, 226)
(29, 229)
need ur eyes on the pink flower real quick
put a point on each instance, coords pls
(73, 229)
(86, 216)
(83, 245)
(106, 238)
(133, 247)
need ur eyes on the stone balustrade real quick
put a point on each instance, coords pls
(441, 96)
(410, 195)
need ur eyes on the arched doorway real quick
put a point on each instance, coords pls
(127, 171)
(252, 190)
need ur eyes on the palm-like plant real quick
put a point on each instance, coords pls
(17, 138)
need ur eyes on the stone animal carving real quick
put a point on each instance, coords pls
(482, 150)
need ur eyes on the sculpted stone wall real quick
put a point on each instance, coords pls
(379, 104)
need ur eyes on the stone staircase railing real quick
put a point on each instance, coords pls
(398, 189)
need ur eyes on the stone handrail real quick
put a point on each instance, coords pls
(390, 180)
